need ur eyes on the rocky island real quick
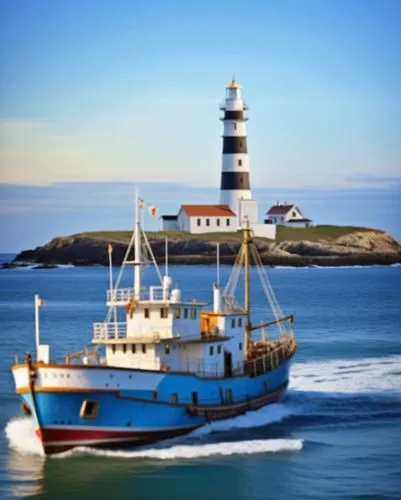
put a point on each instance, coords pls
(318, 245)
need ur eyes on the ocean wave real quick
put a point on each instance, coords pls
(365, 375)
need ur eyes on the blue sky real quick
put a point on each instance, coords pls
(124, 92)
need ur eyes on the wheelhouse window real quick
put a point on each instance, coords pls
(193, 313)
(166, 349)
(163, 312)
(146, 313)
(240, 346)
(124, 348)
(185, 312)
(211, 350)
(239, 322)
(177, 313)
(113, 348)
(144, 348)
(219, 349)
(133, 348)
(233, 323)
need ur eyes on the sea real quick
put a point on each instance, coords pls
(336, 435)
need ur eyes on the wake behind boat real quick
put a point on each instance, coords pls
(160, 365)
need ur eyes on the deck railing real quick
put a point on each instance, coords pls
(124, 295)
(109, 330)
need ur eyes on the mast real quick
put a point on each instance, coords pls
(246, 243)
(137, 268)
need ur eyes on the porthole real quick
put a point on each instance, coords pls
(89, 409)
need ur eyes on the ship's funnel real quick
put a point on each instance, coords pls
(216, 298)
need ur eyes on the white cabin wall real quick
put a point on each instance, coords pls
(186, 327)
(127, 359)
(139, 326)
(237, 333)
(168, 361)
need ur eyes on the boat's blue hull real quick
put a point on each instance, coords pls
(127, 416)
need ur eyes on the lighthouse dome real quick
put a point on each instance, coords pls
(233, 84)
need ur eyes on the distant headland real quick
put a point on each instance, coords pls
(298, 247)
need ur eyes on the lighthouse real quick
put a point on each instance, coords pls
(236, 209)
(235, 186)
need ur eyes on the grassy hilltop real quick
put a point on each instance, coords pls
(315, 233)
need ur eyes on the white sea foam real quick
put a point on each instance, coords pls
(267, 415)
(365, 375)
(20, 433)
(197, 451)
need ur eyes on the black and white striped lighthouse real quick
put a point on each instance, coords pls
(235, 182)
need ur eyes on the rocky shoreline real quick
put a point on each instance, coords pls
(368, 247)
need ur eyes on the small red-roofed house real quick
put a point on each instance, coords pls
(287, 215)
(206, 219)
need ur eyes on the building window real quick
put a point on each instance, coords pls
(178, 313)
(233, 323)
(219, 349)
(240, 163)
(166, 349)
(154, 395)
(235, 126)
(124, 348)
(217, 222)
(208, 222)
(174, 398)
(133, 348)
(294, 214)
(240, 346)
(211, 350)
(146, 313)
(185, 312)
(113, 348)
(198, 222)
(240, 322)
(227, 222)
(144, 348)
(163, 312)
(193, 313)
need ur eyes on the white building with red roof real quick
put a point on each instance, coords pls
(206, 219)
(287, 215)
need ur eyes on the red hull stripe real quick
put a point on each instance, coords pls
(49, 435)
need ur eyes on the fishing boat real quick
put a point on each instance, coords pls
(161, 364)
